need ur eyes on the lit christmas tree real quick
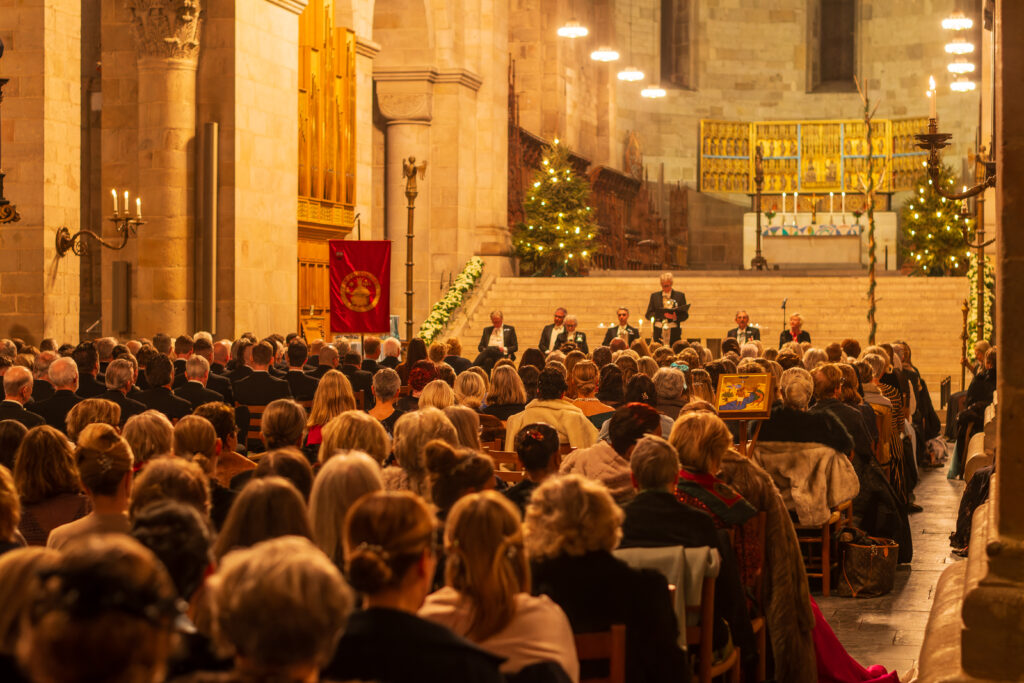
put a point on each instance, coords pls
(933, 241)
(557, 236)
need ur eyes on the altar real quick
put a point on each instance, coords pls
(799, 243)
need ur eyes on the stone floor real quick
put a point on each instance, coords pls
(889, 630)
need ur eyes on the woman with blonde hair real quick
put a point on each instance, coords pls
(389, 553)
(47, 481)
(90, 411)
(333, 397)
(358, 431)
(412, 433)
(265, 508)
(467, 426)
(571, 527)
(104, 462)
(195, 440)
(342, 480)
(487, 593)
(506, 394)
(437, 394)
(584, 381)
(470, 391)
(149, 435)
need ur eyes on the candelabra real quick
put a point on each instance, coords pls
(125, 225)
(934, 142)
(759, 262)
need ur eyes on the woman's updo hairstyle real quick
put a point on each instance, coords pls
(551, 385)
(536, 444)
(103, 459)
(386, 533)
(584, 376)
(195, 439)
(797, 388)
(453, 472)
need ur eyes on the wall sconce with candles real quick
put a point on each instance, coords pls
(125, 224)
(8, 211)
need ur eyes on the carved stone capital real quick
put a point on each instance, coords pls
(408, 102)
(167, 29)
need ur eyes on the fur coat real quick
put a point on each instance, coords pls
(811, 477)
(788, 614)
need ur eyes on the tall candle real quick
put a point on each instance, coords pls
(932, 97)
(831, 197)
(138, 207)
(843, 203)
(796, 207)
(783, 207)
(126, 202)
(113, 193)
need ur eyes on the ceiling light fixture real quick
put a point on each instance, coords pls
(957, 21)
(604, 54)
(573, 29)
(960, 46)
(631, 73)
(652, 92)
(962, 84)
(961, 66)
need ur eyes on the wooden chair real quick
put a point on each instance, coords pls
(607, 646)
(404, 390)
(492, 445)
(566, 449)
(360, 399)
(255, 421)
(509, 476)
(700, 639)
(507, 460)
(823, 538)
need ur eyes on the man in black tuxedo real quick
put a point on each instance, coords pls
(221, 356)
(196, 389)
(743, 333)
(795, 331)
(371, 354)
(243, 359)
(64, 375)
(500, 336)
(42, 389)
(668, 309)
(88, 362)
(359, 379)
(453, 347)
(571, 334)
(549, 335)
(328, 361)
(392, 350)
(303, 386)
(18, 392)
(160, 374)
(622, 328)
(183, 346)
(119, 379)
(214, 382)
(260, 388)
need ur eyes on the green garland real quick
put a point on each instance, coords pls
(441, 313)
(972, 301)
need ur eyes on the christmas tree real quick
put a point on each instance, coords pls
(932, 239)
(557, 235)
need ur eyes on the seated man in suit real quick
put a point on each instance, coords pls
(120, 379)
(668, 309)
(105, 352)
(795, 331)
(260, 388)
(743, 333)
(623, 328)
(221, 356)
(196, 389)
(64, 376)
(159, 397)
(183, 346)
(500, 336)
(242, 360)
(454, 357)
(88, 362)
(359, 379)
(162, 343)
(392, 350)
(572, 335)
(215, 382)
(18, 392)
(549, 335)
(42, 389)
(302, 386)
(371, 354)
(328, 361)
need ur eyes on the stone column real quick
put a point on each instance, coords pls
(366, 52)
(166, 34)
(407, 106)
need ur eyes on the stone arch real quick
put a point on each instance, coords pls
(405, 31)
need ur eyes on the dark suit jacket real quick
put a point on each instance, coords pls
(54, 410)
(752, 332)
(129, 406)
(370, 365)
(631, 332)
(196, 394)
(302, 385)
(321, 370)
(654, 306)
(164, 400)
(545, 338)
(360, 381)
(458, 363)
(222, 385)
(218, 369)
(89, 387)
(785, 337)
(259, 389)
(239, 373)
(578, 338)
(179, 369)
(12, 410)
(390, 362)
(510, 340)
(42, 390)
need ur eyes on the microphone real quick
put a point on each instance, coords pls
(784, 302)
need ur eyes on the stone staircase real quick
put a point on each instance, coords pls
(925, 312)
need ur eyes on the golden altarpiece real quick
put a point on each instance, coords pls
(327, 155)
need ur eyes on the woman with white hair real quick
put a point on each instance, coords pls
(668, 309)
(795, 333)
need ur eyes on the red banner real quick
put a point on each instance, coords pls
(360, 286)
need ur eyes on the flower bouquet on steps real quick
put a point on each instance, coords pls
(441, 314)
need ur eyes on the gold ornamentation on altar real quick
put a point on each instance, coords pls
(327, 97)
(809, 156)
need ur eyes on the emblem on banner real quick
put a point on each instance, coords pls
(360, 291)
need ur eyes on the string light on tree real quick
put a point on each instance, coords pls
(930, 244)
(557, 235)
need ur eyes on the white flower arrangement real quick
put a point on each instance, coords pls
(442, 311)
